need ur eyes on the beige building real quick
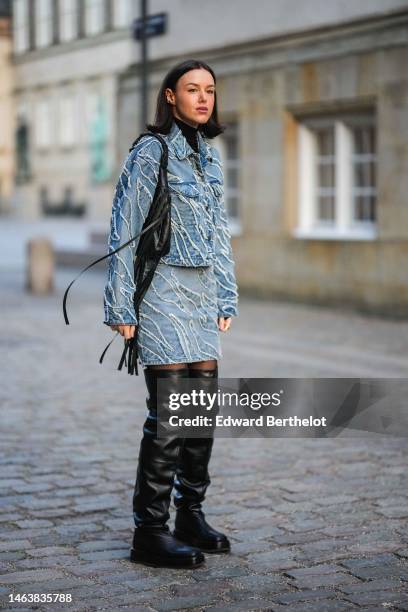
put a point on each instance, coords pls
(6, 109)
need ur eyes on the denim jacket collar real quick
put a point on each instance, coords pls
(183, 149)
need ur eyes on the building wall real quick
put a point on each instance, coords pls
(84, 67)
(57, 166)
(200, 27)
(271, 260)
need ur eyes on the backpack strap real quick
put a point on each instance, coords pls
(165, 154)
(131, 349)
(64, 301)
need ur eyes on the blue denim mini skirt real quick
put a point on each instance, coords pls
(178, 316)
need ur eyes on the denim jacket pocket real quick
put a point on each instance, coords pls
(185, 190)
(191, 227)
(189, 213)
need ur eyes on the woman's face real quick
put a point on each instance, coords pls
(193, 100)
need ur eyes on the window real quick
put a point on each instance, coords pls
(91, 109)
(68, 15)
(20, 25)
(67, 120)
(43, 123)
(228, 144)
(325, 161)
(364, 172)
(121, 13)
(337, 177)
(43, 23)
(94, 16)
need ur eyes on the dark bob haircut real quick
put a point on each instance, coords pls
(164, 114)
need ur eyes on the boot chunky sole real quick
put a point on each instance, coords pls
(217, 546)
(155, 560)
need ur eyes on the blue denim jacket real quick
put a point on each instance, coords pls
(200, 234)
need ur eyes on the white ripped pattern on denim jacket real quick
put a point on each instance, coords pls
(200, 234)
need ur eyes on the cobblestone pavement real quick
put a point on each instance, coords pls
(314, 524)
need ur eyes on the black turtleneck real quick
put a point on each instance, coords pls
(189, 132)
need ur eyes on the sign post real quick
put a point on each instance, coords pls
(144, 28)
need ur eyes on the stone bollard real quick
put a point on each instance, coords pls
(40, 266)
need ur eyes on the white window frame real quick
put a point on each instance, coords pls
(43, 23)
(43, 122)
(91, 107)
(68, 119)
(68, 20)
(122, 13)
(20, 26)
(235, 222)
(343, 226)
(94, 17)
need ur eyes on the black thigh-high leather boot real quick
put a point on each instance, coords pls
(192, 480)
(153, 543)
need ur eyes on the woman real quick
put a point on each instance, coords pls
(192, 297)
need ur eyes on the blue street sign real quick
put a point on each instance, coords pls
(155, 25)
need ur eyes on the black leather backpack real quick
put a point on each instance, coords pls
(153, 244)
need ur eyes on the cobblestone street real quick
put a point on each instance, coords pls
(315, 524)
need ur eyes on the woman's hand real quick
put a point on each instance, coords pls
(224, 323)
(127, 331)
